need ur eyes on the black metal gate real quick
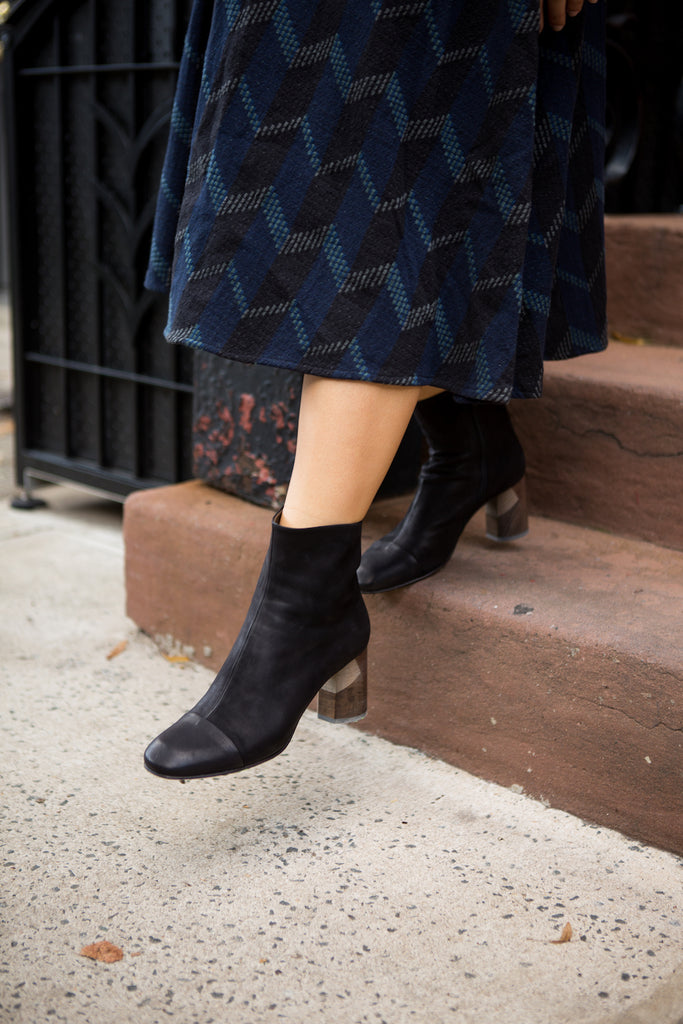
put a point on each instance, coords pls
(100, 398)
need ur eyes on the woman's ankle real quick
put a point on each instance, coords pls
(295, 518)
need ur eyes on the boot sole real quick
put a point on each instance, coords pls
(252, 764)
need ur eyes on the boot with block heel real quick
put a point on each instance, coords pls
(306, 631)
(474, 459)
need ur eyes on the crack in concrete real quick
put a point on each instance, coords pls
(613, 437)
(620, 711)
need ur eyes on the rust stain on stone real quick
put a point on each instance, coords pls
(244, 436)
(247, 403)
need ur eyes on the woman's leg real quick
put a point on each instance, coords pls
(307, 629)
(348, 433)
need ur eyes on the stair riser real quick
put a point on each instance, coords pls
(644, 256)
(606, 456)
(576, 728)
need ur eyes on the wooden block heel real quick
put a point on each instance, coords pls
(506, 515)
(344, 697)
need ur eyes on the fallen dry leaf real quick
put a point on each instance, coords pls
(176, 659)
(115, 651)
(105, 952)
(565, 936)
(627, 339)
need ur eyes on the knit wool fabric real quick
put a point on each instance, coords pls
(401, 191)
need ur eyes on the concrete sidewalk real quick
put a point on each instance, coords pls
(347, 881)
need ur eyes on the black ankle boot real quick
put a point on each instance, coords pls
(474, 458)
(306, 629)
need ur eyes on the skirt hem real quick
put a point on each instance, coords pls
(499, 395)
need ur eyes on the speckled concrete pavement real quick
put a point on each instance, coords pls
(347, 881)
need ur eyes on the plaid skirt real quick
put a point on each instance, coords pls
(401, 191)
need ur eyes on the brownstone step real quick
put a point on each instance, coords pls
(553, 665)
(644, 257)
(605, 443)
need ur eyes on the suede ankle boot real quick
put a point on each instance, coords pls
(474, 459)
(306, 631)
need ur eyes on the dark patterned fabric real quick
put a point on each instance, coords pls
(403, 191)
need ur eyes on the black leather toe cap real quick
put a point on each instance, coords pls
(386, 566)
(192, 748)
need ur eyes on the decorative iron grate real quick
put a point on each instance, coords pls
(100, 397)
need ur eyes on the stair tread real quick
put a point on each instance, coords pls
(583, 584)
(637, 367)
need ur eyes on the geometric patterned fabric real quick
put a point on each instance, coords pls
(403, 191)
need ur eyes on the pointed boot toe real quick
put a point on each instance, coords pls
(386, 566)
(192, 748)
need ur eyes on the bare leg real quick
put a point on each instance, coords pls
(429, 392)
(349, 432)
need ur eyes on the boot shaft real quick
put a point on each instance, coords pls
(476, 442)
(311, 573)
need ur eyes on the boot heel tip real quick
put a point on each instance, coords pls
(505, 539)
(342, 721)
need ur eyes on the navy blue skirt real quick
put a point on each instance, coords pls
(402, 191)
